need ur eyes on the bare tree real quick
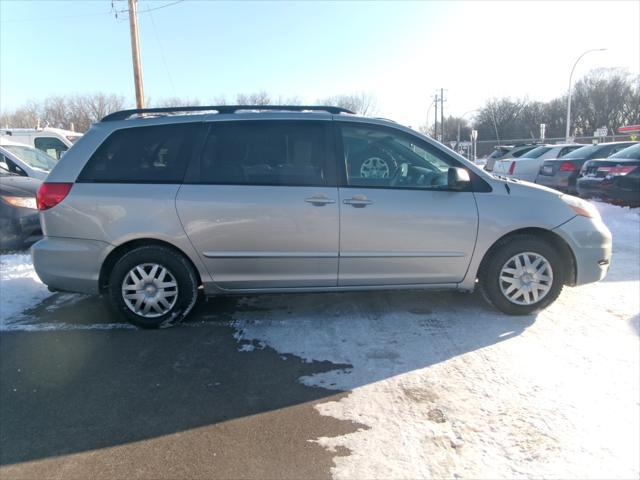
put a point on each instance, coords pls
(362, 103)
(604, 98)
(176, 102)
(257, 98)
(72, 112)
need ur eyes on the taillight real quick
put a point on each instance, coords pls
(512, 167)
(567, 167)
(51, 194)
(618, 170)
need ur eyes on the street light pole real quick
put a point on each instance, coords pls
(570, 86)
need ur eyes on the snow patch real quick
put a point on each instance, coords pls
(20, 287)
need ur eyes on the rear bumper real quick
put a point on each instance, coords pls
(70, 264)
(563, 181)
(590, 241)
(589, 187)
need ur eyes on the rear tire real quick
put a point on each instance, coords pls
(153, 286)
(521, 274)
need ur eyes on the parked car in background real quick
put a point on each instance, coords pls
(528, 165)
(503, 153)
(19, 219)
(53, 141)
(499, 151)
(615, 179)
(562, 173)
(24, 160)
(294, 199)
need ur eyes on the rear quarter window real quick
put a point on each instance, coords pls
(155, 154)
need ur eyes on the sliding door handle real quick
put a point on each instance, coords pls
(319, 201)
(358, 201)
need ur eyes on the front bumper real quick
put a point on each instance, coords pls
(19, 230)
(70, 264)
(590, 241)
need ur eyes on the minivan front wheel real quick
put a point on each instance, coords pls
(522, 274)
(153, 286)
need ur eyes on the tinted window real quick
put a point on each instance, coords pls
(51, 146)
(632, 153)
(382, 157)
(582, 152)
(10, 165)
(566, 150)
(536, 152)
(266, 153)
(617, 148)
(142, 155)
(520, 153)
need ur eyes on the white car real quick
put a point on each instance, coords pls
(25, 160)
(528, 166)
(52, 141)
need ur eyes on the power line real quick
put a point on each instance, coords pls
(161, 6)
(113, 10)
(161, 48)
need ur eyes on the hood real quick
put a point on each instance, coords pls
(519, 185)
(19, 186)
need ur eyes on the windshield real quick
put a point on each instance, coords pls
(536, 152)
(582, 152)
(629, 153)
(32, 157)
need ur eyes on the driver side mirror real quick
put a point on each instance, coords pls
(458, 178)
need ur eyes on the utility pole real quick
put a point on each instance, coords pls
(442, 113)
(135, 52)
(435, 120)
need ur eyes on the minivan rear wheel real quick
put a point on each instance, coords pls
(521, 275)
(153, 286)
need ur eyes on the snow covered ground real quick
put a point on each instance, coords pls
(20, 287)
(443, 386)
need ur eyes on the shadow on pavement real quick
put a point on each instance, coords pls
(64, 392)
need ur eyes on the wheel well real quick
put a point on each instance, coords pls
(120, 250)
(569, 261)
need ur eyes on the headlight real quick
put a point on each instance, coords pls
(580, 207)
(24, 202)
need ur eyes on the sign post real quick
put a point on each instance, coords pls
(474, 137)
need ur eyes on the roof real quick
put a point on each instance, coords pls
(221, 109)
(60, 131)
(8, 141)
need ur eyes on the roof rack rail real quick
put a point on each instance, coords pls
(124, 114)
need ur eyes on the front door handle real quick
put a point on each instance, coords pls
(319, 200)
(358, 201)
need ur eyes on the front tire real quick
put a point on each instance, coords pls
(153, 286)
(521, 274)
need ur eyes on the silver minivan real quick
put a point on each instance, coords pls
(151, 206)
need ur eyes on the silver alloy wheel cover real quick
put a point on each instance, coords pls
(526, 278)
(374, 167)
(149, 290)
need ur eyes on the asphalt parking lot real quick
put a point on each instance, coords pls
(181, 402)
